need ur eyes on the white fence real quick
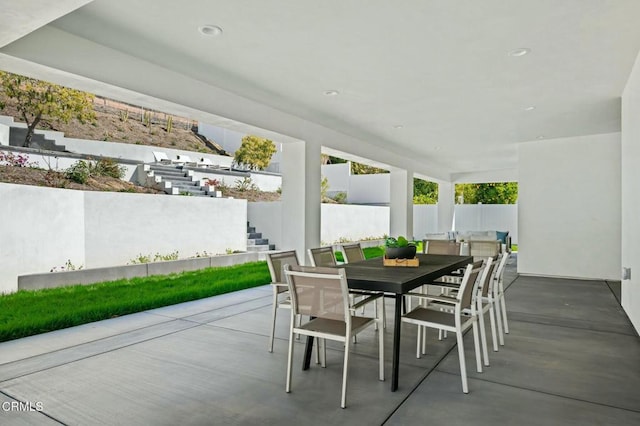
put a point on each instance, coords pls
(487, 217)
(43, 228)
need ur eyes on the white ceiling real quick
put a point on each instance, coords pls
(438, 68)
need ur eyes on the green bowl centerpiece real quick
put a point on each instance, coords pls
(399, 248)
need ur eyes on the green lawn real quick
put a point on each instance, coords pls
(26, 313)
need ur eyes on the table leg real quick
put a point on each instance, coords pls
(307, 353)
(396, 343)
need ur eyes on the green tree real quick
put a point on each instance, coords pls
(255, 152)
(424, 192)
(488, 193)
(37, 100)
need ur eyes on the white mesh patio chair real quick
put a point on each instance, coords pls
(460, 315)
(322, 256)
(352, 252)
(501, 306)
(323, 295)
(281, 299)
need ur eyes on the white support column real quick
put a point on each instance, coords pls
(446, 205)
(300, 197)
(401, 197)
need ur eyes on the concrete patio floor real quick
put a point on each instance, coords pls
(572, 357)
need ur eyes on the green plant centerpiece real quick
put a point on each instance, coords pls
(399, 248)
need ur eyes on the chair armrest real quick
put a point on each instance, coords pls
(440, 298)
(366, 300)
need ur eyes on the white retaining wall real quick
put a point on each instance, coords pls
(45, 227)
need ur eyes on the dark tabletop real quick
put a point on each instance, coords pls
(372, 275)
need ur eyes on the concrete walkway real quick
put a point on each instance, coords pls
(572, 357)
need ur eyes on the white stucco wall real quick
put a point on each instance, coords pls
(266, 218)
(121, 226)
(337, 176)
(353, 222)
(4, 134)
(45, 227)
(630, 189)
(42, 228)
(370, 189)
(569, 214)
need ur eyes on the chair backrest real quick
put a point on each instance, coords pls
(441, 247)
(352, 252)
(500, 271)
(322, 256)
(318, 292)
(484, 249)
(487, 276)
(467, 287)
(276, 262)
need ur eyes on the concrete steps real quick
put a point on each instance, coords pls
(175, 180)
(255, 242)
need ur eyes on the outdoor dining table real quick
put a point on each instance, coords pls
(394, 281)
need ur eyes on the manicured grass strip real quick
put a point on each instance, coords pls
(26, 313)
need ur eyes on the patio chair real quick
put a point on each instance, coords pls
(440, 247)
(322, 256)
(281, 299)
(454, 320)
(206, 163)
(161, 157)
(483, 249)
(323, 295)
(352, 252)
(501, 307)
(185, 160)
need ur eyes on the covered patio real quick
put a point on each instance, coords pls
(545, 93)
(570, 358)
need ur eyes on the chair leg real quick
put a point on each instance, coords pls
(476, 345)
(273, 319)
(381, 338)
(504, 313)
(492, 318)
(419, 341)
(483, 335)
(463, 366)
(289, 361)
(424, 340)
(499, 322)
(343, 402)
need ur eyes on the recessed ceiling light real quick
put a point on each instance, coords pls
(210, 30)
(521, 51)
(331, 93)
(540, 137)
(398, 126)
(530, 108)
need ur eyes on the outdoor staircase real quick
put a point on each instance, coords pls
(255, 242)
(175, 180)
(38, 140)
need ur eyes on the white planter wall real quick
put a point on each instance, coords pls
(569, 214)
(45, 227)
(352, 222)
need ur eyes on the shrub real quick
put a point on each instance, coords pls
(107, 167)
(20, 160)
(78, 172)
